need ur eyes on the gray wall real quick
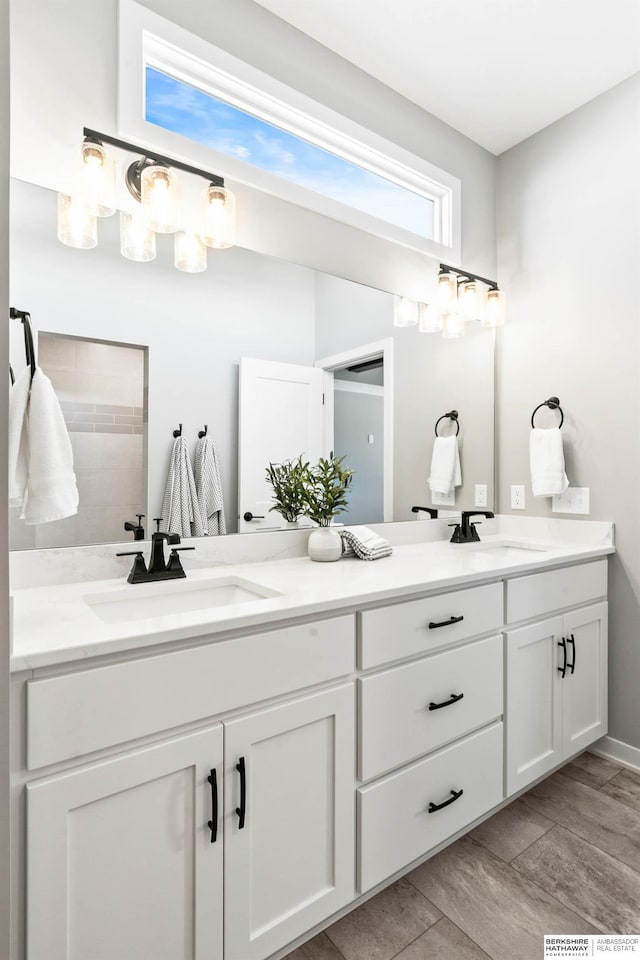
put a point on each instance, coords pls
(356, 415)
(569, 257)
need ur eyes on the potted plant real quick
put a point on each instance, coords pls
(326, 497)
(289, 482)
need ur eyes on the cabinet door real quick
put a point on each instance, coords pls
(291, 862)
(585, 683)
(533, 715)
(120, 861)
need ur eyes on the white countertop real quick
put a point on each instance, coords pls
(54, 624)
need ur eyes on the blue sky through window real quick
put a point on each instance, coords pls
(182, 108)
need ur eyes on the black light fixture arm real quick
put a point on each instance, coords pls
(464, 275)
(97, 137)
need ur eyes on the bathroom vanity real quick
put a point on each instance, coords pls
(219, 782)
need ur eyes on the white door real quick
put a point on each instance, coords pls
(289, 820)
(280, 417)
(585, 682)
(120, 859)
(533, 715)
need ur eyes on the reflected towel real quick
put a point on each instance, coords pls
(180, 506)
(209, 488)
(18, 439)
(546, 458)
(364, 543)
(445, 473)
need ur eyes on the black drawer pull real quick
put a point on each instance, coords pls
(242, 809)
(444, 623)
(572, 641)
(446, 703)
(563, 668)
(455, 795)
(213, 823)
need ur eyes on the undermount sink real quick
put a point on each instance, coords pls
(152, 600)
(507, 549)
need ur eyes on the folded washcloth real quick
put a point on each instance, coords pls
(445, 465)
(209, 488)
(364, 543)
(18, 439)
(547, 462)
(180, 507)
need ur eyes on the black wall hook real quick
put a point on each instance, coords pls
(203, 433)
(554, 404)
(178, 433)
(29, 349)
(452, 415)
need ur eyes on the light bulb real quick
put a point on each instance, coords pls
(77, 226)
(94, 180)
(136, 241)
(190, 253)
(470, 301)
(429, 320)
(446, 292)
(218, 217)
(405, 312)
(453, 326)
(494, 315)
(160, 198)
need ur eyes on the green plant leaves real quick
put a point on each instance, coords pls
(318, 492)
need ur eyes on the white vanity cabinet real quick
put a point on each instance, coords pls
(556, 678)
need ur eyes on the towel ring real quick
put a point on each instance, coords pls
(554, 404)
(452, 415)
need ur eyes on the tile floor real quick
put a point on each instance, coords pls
(563, 858)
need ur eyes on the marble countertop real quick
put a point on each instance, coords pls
(55, 624)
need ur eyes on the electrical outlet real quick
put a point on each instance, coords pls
(443, 499)
(517, 496)
(481, 495)
(573, 500)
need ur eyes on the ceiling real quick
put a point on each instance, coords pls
(496, 70)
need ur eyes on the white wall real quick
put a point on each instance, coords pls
(64, 78)
(569, 257)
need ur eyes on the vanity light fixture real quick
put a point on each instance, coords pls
(405, 312)
(472, 301)
(153, 181)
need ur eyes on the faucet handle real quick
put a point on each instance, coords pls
(158, 521)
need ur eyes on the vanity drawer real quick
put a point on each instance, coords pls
(403, 630)
(75, 714)
(395, 826)
(543, 593)
(396, 724)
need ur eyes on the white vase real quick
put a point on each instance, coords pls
(325, 544)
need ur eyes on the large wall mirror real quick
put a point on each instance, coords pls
(148, 348)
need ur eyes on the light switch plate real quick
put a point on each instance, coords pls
(481, 495)
(517, 496)
(573, 500)
(443, 499)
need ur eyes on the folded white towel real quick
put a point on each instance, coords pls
(18, 402)
(209, 488)
(364, 543)
(51, 491)
(546, 459)
(180, 506)
(445, 473)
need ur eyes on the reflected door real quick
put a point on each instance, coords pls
(280, 417)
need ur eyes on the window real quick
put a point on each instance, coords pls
(187, 97)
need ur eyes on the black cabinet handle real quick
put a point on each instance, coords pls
(242, 809)
(572, 641)
(444, 623)
(563, 668)
(455, 795)
(213, 823)
(248, 516)
(446, 703)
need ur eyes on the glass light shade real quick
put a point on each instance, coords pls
(94, 181)
(429, 319)
(136, 241)
(77, 226)
(160, 198)
(190, 253)
(453, 326)
(471, 301)
(494, 315)
(446, 292)
(405, 312)
(218, 217)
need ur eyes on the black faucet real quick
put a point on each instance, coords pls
(136, 528)
(158, 569)
(433, 513)
(465, 531)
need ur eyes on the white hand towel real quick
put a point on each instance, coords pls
(445, 465)
(51, 492)
(364, 543)
(18, 402)
(209, 488)
(180, 506)
(546, 458)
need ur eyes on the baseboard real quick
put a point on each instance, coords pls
(617, 750)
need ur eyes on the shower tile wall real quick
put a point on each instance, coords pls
(101, 389)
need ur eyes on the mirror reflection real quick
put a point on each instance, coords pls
(274, 358)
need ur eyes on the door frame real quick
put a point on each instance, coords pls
(359, 354)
